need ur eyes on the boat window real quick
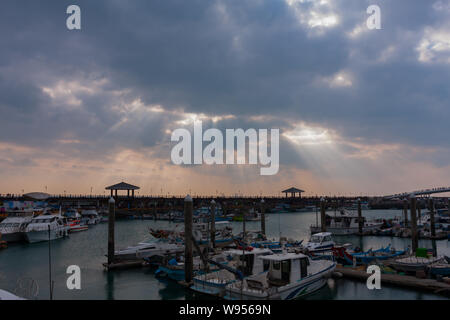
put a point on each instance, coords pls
(285, 270)
(276, 265)
(327, 238)
(304, 267)
(266, 264)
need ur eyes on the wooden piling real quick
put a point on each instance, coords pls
(432, 224)
(322, 215)
(111, 221)
(414, 234)
(188, 259)
(405, 212)
(263, 218)
(213, 223)
(360, 219)
(419, 209)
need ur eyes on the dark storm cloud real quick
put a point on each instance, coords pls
(243, 58)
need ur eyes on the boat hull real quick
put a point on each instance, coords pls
(12, 237)
(344, 231)
(210, 288)
(145, 254)
(39, 236)
(292, 291)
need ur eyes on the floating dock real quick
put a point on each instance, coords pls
(398, 280)
(124, 264)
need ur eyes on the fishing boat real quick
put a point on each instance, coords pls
(238, 264)
(174, 268)
(90, 216)
(380, 254)
(289, 276)
(201, 233)
(77, 226)
(223, 233)
(74, 221)
(46, 227)
(346, 256)
(413, 264)
(439, 268)
(149, 248)
(13, 227)
(320, 242)
(346, 223)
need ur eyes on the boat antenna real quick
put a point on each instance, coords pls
(50, 265)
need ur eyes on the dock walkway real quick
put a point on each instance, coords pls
(398, 280)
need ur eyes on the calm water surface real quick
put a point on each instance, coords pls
(87, 249)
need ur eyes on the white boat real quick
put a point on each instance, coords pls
(290, 276)
(320, 242)
(223, 233)
(345, 223)
(413, 264)
(239, 264)
(38, 229)
(90, 216)
(13, 227)
(149, 248)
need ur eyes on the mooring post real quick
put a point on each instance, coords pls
(111, 221)
(405, 212)
(419, 206)
(154, 211)
(322, 215)
(213, 223)
(432, 225)
(188, 260)
(414, 235)
(360, 219)
(263, 218)
(244, 211)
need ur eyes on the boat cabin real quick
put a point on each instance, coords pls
(322, 240)
(247, 261)
(343, 220)
(286, 268)
(321, 237)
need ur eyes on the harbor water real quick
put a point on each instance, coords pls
(24, 264)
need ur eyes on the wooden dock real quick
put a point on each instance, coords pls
(398, 280)
(124, 264)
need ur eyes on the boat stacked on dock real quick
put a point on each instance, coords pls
(149, 248)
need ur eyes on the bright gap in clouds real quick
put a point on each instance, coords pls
(307, 135)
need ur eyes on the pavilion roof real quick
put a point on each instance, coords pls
(293, 190)
(122, 186)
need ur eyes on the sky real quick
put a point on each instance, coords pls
(359, 111)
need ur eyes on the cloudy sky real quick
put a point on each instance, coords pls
(359, 110)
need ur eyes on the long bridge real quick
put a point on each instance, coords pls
(418, 193)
